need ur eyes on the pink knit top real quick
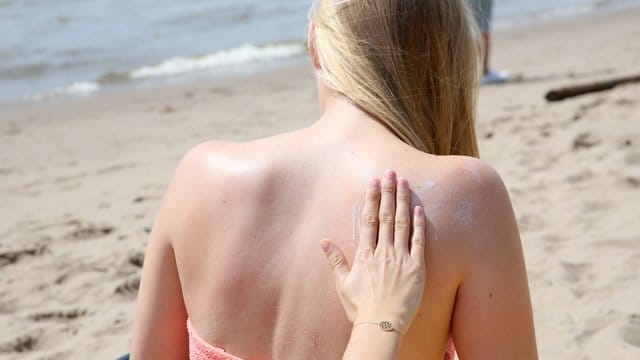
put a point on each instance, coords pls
(199, 349)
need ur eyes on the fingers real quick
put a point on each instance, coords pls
(403, 217)
(387, 210)
(336, 259)
(419, 237)
(369, 219)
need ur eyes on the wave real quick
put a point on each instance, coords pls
(76, 89)
(243, 55)
(236, 56)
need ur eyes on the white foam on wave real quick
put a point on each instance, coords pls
(236, 56)
(77, 88)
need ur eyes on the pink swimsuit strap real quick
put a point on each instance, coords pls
(199, 349)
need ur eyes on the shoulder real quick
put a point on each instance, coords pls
(216, 172)
(468, 201)
(216, 161)
(471, 209)
(220, 158)
(204, 157)
(206, 176)
(455, 179)
(472, 178)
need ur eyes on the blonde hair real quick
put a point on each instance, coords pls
(411, 64)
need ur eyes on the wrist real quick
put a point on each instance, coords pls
(381, 322)
(369, 332)
(383, 326)
(369, 342)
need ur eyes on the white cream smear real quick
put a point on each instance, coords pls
(429, 185)
(462, 211)
(356, 212)
(422, 191)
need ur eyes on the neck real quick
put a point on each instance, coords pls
(343, 120)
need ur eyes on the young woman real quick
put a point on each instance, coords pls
(234, 250)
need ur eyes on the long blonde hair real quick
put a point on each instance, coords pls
(411, 64)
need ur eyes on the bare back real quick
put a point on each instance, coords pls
(246, 240)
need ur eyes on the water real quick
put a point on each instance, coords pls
(56, 48)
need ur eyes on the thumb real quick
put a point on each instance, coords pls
(336, 259)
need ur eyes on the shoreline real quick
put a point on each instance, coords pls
(81, 181)
(195, 78)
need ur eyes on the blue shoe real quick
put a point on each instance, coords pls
(495, 77)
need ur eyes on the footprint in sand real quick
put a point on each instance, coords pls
(584, 141)
(129, 287)
(62, 279)
(12, 257)
(89, 231)
(58, 315)
(139, 199)
(136, 259)
(573, 273)
(631, 332)
(20, 344)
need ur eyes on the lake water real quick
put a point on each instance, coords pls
(72, 47)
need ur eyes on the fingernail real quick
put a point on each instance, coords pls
(403, 184)
(418, 211)
(326, 245)
(375, 182)
(390, 174)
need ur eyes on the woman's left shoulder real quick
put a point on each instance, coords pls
(466, 196)
(471, 174)
(467, 178)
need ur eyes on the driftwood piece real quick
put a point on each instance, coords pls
(572, 91)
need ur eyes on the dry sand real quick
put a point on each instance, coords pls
(81, 180)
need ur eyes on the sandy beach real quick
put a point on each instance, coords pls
(82, 179)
